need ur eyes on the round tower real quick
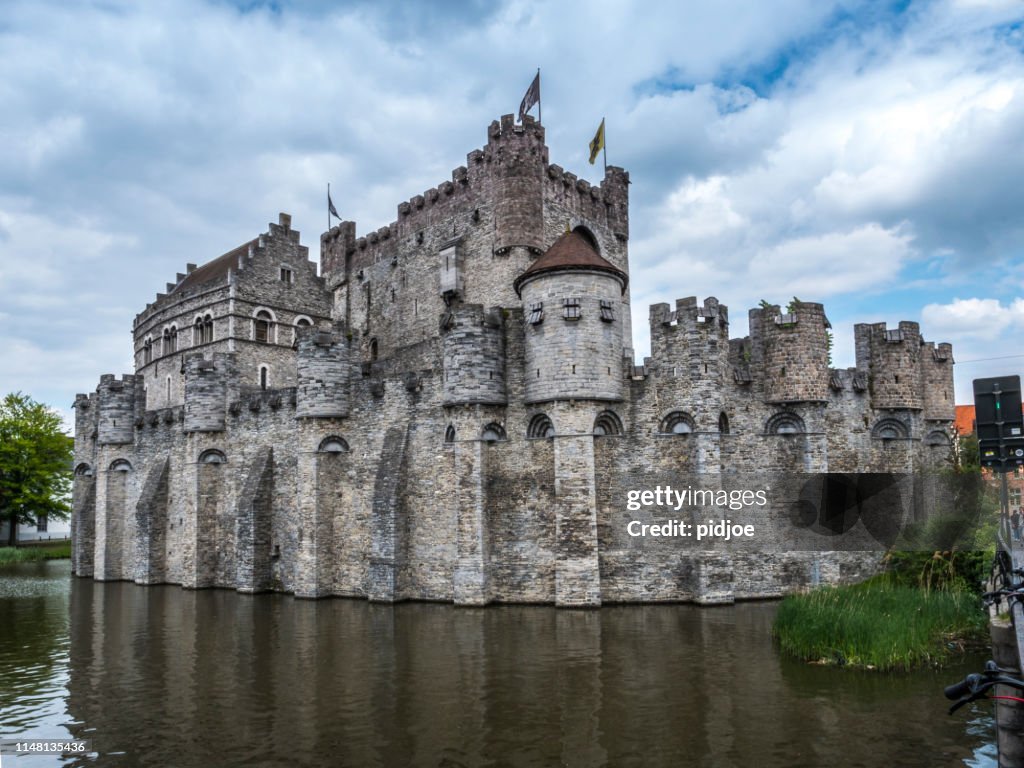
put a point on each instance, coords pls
(793, 349)
(322, 364)
(517, 158)
(116, 421)
(474, 355)
(574, 329)
(892, 360)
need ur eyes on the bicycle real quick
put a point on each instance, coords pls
(976, 684)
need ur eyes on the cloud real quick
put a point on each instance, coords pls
(842, 151)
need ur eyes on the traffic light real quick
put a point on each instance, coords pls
(997, 410)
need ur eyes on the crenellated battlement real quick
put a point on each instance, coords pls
(474, 355)
(891, 358)
(206, 390)
(789, 351)
(116, 409)
(323, 372)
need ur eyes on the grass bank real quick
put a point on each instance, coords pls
(878, 624)
(57, 551)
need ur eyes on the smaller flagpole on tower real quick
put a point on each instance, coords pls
(540, 109)
(328, 206)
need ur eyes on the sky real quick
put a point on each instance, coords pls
(866, 155)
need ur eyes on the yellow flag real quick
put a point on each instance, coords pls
(598, 143)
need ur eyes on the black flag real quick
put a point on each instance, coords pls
(330, 206)
(532, 97)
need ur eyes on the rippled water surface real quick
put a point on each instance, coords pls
(159, 676)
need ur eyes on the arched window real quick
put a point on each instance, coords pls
(203, 333)
(373, 350)
(540, 426)
(168, 383)
(263, 327)
(83, 470)
(264, 377)
(723, 423)
(172, 339)
(493, 432)
(165, 348)
(212, 456)
(784, 423)
(197, 332)
(587, 235)
(890, 429)
(449, 434)
(677, 423)
(120, 465)
(333, 444)
(300, 322)
(607, 423)
(147, 351)
(937, 438)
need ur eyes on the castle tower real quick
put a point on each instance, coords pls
(517, 158)
(323, 372)
(206, 391)
(474, 355)
(790, 352)
(891, 358)
(937, 381)
(116, 419)
(691, 347)
(574, 338)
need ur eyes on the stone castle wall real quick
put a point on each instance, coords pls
(422, 434)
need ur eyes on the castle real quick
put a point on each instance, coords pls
(450, 410)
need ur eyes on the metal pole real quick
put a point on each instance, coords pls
(540, 108)
(328, 206)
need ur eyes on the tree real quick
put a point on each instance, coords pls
(35, 463)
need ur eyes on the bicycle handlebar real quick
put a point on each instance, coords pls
(974, 686)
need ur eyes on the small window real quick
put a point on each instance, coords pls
(540, 426)
(207, 329)
(723, 423)
(197, 331)
(264, 377)
(537, 313)
(262, 326)
(785, 423)
(449, 434)
(147, 352)
(41, 524)
(493, 432)
(303, 322)
(678, 423)
(286, 275)
(120, 465)
(373, 350)
(571, 309)
(607, 423)
(333, 444)
(212, 456)
(607, 311)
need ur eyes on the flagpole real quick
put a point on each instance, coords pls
(328, 206)
(540, 108)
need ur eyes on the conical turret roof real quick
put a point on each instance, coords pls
(569, 252)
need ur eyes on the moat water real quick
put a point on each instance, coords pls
(160, 676)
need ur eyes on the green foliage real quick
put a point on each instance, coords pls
(878, 624)
(60, 551)
(35, 462)
(793, 304)
(764, 304)
(829, 343)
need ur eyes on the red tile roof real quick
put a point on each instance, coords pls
(964, 421)
(570, 251)
(216, 270)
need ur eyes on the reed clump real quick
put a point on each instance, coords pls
(879, 624)
(35, 553)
